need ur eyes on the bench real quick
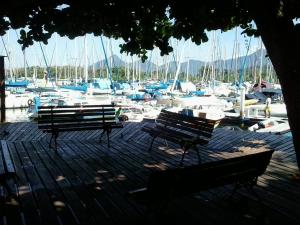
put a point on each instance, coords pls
(7, 170)
(242, 171)
(56, 119)
(187, 131)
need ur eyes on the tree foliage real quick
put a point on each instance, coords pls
(142, 24)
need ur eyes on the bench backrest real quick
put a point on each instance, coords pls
(76, 116)
(191, 179)
(195, 126)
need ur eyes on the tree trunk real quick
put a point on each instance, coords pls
(281, 40)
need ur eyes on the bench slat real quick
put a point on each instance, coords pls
(58, 111)
(75, 115)
(185, 127)
(62, 129)
(173, 135)
(76, 106)
(65, 120)
(81, 124)
(195, 124)
(77, 118)
(197, 120)
(190, 122)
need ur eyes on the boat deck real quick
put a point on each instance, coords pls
(86, 183)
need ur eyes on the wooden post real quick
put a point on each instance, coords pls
(242, 103)
(2, 88)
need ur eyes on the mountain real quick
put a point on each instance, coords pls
(115, 60)
(194, 65)
(118, 62)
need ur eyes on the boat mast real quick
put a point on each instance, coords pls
(93, 61)
(76, 75)
(166, 64)
(260, 66)
(107, 65)
(178, 68)
(56, 58)
(188, 63)
(8, 57)
(25, 68)
(85, 60)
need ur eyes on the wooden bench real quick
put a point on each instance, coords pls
(56, 119)
(187, 131)
(7, 170)
(241, 171)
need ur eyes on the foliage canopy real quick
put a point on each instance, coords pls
(142, 24)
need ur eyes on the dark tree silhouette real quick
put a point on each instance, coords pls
(143, 24)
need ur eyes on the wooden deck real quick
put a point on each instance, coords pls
(86, 182)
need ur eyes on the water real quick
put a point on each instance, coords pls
(16, 115)
(288, 134)
(20, 115)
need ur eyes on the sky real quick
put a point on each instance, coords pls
(63, 51)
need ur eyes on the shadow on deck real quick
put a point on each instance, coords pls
(86, 182)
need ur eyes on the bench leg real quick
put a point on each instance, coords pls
(198, 154)
(183, 155)
(107, 134)
(54, 135)
(236, 187)
(55, 142)
(50, 146)
(250, 188)
(102, 135)
(150, 148)
(166, 142)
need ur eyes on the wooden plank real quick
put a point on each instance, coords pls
(129, 157)
(84, 171)
(7, 159)
(75, 124)
(2, 162)
(76, 211)
(46, 209)
(30, 212)
(17, 132)
(118, 187)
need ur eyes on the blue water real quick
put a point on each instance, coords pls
(288, 134)
(16, 115)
